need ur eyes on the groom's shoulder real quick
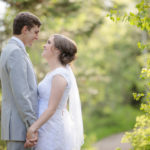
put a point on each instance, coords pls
(10, 47)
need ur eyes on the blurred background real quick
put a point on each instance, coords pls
(108, 62)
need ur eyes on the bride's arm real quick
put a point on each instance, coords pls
(57, 90)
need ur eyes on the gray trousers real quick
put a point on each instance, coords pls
(17, 145)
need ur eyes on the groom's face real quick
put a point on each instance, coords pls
(31, 35)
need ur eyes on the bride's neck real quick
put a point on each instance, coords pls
(53, 64)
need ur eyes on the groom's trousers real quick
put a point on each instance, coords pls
(15, 145)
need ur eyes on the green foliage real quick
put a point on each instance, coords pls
(140, 19)
(98, 127)
(137, 96)
(140, 136)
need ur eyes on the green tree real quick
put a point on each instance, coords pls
(140, 136)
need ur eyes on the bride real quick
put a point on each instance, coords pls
(59, 127)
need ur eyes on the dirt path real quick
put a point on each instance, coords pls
(111, 143)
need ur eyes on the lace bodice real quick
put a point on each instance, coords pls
(44, 89)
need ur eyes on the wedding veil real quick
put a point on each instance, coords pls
(75, 111)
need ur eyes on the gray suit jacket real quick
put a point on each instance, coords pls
(19, 92)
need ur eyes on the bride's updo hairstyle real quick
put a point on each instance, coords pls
(67, 48)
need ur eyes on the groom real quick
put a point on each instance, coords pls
(19, 87)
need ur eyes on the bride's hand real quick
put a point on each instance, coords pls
(31, 133)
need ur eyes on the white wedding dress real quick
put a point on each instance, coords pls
(58, 132)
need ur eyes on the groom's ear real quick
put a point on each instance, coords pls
(24, 30)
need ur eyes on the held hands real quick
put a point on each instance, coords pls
(32, 138)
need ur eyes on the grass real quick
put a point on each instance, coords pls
(98, 127)
(2, 144)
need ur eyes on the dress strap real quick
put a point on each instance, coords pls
(64, 73)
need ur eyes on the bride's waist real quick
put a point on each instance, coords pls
(59, 111)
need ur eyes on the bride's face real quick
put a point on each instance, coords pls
(49, 49)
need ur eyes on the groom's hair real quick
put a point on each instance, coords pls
(25, 19)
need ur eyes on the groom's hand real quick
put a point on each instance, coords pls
(28, 144)
(31, 140)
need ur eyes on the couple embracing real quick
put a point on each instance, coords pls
(46, 116)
